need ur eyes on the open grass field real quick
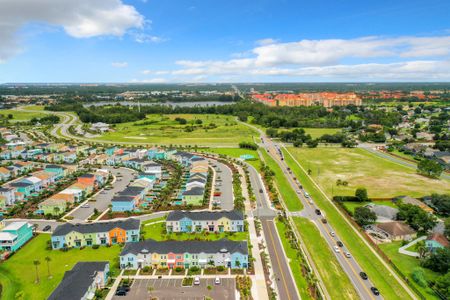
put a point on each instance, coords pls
(388, 286)
(20, 116)
(156, 231)
(296, 269)
(407, 264)
(359, 168)
(18, 273)
(163, 129)
(318, 132)
(336, 281)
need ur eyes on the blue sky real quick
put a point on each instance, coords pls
(224, 41)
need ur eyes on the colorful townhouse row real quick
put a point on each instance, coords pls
(15, 235)
(210, 221)
(15, 169)
(193, 190)
(77, 192)
(22, 189)
(98, 233)
(184, 254)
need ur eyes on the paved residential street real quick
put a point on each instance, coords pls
(103, 199)
(224, 184)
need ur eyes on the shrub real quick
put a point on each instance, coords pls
(95, 247)
(178, 269)
(419, 277)
(220, 268)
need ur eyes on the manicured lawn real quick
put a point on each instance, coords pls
(352, 205)
(407, 264)
(156, 232)
(336, 281)
(318, 132)
(18, 273)
(358, 167)
(388, 286)
(232, 152)
(21, 116)
(163, 129)
(287, 192)
(294, 263)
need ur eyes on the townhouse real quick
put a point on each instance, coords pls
(52, 206)
(5, 174)
(15, 235)
(153, 168)
(211, 221)
(82, 281)
(99, 233)
(8, 193)
(185, 254)
(128, 199)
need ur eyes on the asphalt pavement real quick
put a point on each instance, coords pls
(103, 199)
(224, 184)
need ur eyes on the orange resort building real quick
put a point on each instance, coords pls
(99, 233)
(327, 99)
(184, 254)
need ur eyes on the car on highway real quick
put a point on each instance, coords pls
(324, 221)
(298, 192)
(47, 228)
(336, 249)
(332, 233)
(339, 243)
(363, 275)
(217, 281)
(318, 212)
(348, 255)
(197, 280)
(375, 291)
(307, 195)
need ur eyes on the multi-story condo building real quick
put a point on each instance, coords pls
(99, 233)
(211, 221)
(185, 254)
(15, 235)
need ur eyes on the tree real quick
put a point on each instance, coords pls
(36, 264)
(421, 248)
(438, 261)
(364, 216)
(442, 285)
(312, 143)
(430, 168)
(417, 218)
(447, 228)
(48, 260)
(441, 203)
(361, 194)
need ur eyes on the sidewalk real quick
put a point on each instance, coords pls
(114, 286)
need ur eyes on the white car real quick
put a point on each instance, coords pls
(217, 281)
(347, 254)
(332, 234)
(197, 280)
(336, 249)
(85, 206)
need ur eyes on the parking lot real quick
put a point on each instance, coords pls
(171, 289)
(224, 185)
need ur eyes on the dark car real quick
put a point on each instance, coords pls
(47, 228)
(375, 291)
(121, 293)
(125, 288)
(363, 275)
(324, 221)
(318, 212)
(260, 190)
(339, 243)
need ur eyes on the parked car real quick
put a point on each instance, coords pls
(85, 206)
(121, 293)
(47, 228)
(339, 243)
(217, 281)
(375, 291)
(336, 249)
(126, 288)
(197, 280)
(260, 190)
(363, 275)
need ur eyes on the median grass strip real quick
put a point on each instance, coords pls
(389, 287)
(289, 196)
(336, 281)
(18, 273)
(300, 281)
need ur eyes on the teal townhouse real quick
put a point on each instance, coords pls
(211, 221)
(99, 233)
(184, 254)
(60, 171)
(15, 235)
(24, 189)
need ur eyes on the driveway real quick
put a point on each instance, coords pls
(103, 199)
(171, 289)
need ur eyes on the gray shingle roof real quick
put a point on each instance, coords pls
(195, 191)
(128, 224)
(76, 282)
(131, 191)
(189, 246)
(205, 215)
(122, 199)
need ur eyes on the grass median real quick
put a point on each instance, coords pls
(389, 287)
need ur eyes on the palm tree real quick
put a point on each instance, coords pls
(48, 260)
(36, 263)
(422, 249)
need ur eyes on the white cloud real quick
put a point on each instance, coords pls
(79, 19)
(119, 64)
(366, 58)
(150, 80)
(142, 37)
(264, 42)
(148, 72)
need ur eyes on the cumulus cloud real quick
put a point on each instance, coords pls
(264, 42)
(79, 19)
(119, 64)
(365, 58)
